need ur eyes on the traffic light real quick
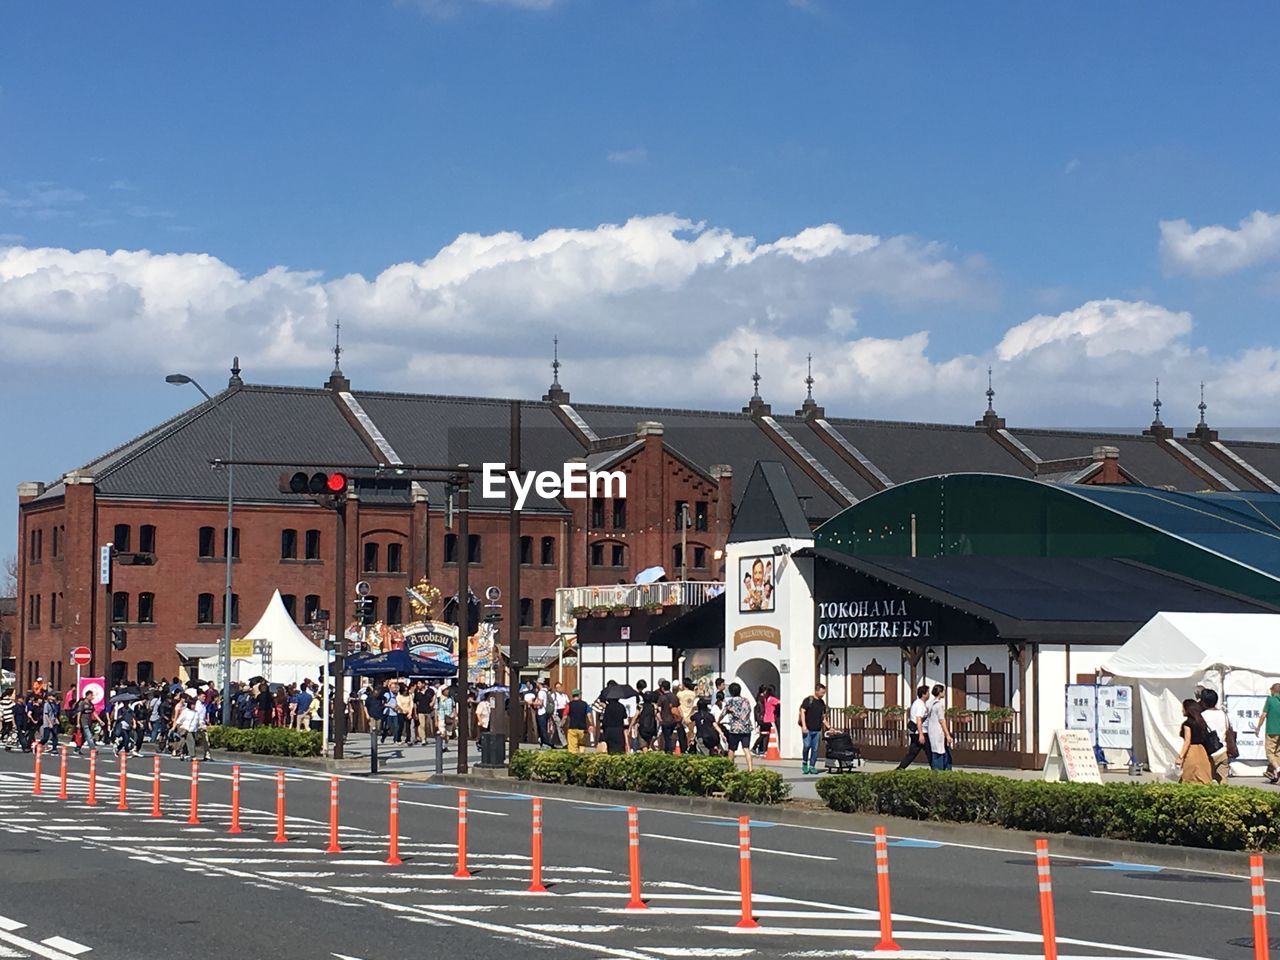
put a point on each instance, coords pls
(364, 611)
(299, 481)
(119, 638)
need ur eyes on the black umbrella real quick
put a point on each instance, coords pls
(617, 691)
(126, 697)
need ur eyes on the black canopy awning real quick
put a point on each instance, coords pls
(1074, 600)
(702, 628)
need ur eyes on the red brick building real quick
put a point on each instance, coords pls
(158, 498)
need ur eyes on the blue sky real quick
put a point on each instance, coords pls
(910, 192)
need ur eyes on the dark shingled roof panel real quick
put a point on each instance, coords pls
(1141, 456)
(907, 451)
(451, 430)
(1264, 457)
(769, 509)
(799, 428)
(271, 423)
(709, 438)
(1219, 465)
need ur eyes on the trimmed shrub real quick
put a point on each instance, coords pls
(270, 741)
(659, 773)
(1220, 818)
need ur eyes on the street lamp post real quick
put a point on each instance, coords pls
(224, 656)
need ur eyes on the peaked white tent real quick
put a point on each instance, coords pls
(1173, 653)
(293, 656)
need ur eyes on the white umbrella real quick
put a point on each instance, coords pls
(651, 575)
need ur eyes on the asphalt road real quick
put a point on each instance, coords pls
(105, 883)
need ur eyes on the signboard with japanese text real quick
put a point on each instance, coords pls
(1071, 758)
(1243, 712)
(1082, 707)
(1115, 717)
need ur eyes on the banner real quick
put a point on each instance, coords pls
(98, 687)
(433, 639)
(1115, 717)
(1243, 712)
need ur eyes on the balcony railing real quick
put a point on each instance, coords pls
(636, 596)
(974, 731)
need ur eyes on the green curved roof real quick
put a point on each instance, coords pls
(1229, 540)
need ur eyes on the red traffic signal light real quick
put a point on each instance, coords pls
(301, 482)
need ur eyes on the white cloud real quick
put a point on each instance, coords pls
(1217, 250)
(631, 157)
(657, 310)
(1099, 328)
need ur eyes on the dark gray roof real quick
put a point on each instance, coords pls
(769, 509)
(710, 437)
(908, 451)
(1140, 456)
(1261, 456)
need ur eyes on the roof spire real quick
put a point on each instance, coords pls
(555, 393)
(1202, 406)
(337, 381)
(756, 405)
(1203, 432)
(810, 409)
(1157, 428)
(1157, 404)
(990, 420)
(234, 380)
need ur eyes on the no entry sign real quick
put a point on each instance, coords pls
(81, 656)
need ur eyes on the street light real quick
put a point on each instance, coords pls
(224, 656)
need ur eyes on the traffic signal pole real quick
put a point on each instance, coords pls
(464, 615)
(338, 721)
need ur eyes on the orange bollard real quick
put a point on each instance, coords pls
(744, 871)
(155, 786)
(462, 873)
(35, 784)
(92, 798)
(1261, 945)
(62, 777)
(633, 857)
(235, 800)
(333, 817)
(1046, 901)
(882, 892)
(194, 817)
(280, 837)
(772, 753)
(393, 853)
(535, 879)
(124, 783)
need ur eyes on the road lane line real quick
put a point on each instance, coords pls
(66, 946)
(39, 949)
(1189, 903)
(734, 846)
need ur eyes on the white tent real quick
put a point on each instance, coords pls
(293, 656)
(1173, 653)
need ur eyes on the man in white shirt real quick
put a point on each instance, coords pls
(915, 726)
(559, 704)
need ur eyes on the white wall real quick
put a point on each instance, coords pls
(792, 617)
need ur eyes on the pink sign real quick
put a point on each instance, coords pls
(96, 686)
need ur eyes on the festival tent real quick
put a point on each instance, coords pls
(1236, 654)
(293, 655)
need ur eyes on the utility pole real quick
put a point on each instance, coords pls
(225, 654)
(463, 480)
(339, 615)
(518, 644)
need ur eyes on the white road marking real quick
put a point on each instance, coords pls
(734, 846)
(39, 949)
(1188, 903)
(66, 946)
(446, 806)
(7, 924)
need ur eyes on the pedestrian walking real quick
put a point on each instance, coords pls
(687, 695)
(1270, 718)
(84, 717)
(49, 721)
(766, 715)
(735, 723)
(813, 723)
(613, 726)
(559, 713)
(1219, 725)
(578, 722)
(446, 713)
(424, 706)
(645, 726)
(939, 733)
(1193, 760)
(6, 719)
(705, 727)
(916, 736)
(673, 732)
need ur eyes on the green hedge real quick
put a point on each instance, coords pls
(1220, 818)
(273, 741)
(651, 773)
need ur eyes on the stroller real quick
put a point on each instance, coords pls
(843, 755)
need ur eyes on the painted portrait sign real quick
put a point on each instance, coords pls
(755, 584)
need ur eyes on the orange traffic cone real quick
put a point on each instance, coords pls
(772, 753)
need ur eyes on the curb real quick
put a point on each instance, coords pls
(1065, 846)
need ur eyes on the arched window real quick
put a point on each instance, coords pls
(978, 688)
(370, 558)
(288, 544)
(450, 548)
(147, 538)
(206, 542)
(119, 607)
(548, 551)
(393, 557)
(204, 608)
(122, 538)
(526, 551)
